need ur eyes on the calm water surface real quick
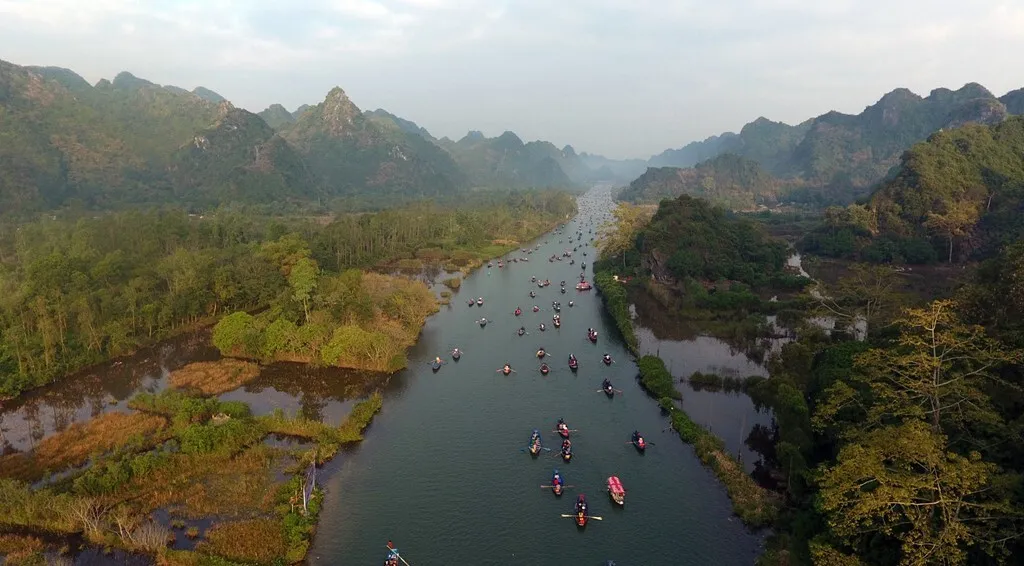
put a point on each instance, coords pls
(442, 473)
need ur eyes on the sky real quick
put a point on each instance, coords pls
(622, 78)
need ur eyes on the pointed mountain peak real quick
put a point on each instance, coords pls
(337, 113)
(275, 107)
(569, 151)
(473, 135)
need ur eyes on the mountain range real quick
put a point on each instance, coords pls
(129, 141)
(835, 157)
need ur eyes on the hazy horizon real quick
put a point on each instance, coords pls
(613, 77)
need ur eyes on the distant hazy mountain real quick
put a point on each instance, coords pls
(277, 117)
(403, 124)
(843, 155)
(727, 180)
(129, 141)
(352, 153)
(208, 95)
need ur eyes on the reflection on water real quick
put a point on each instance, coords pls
(325, 394)
(732, 416)
(101, 389)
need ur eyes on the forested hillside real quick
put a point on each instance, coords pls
(75, 292)
(129, 142)
(836, 158)
(954, 197)
(727, 180)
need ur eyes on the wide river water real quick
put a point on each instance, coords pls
(442, 472)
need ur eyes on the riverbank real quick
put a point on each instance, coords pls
(188, 480)
(756, 506)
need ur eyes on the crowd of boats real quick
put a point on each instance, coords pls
(614, 486)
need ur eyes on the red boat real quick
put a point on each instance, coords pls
(562, 429)
(583, 286)
(616, 491)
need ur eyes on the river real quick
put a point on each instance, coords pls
(441, 471)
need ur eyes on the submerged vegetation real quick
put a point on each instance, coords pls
(77, 291)
(188, 458)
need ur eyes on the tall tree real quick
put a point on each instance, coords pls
(867, 293)
(617, 235)
(903, 482)
(303, 279)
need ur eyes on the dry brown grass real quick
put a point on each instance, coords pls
(254, 540)
(22, 550)
(214, 378)
(204, 485)
(77, 443)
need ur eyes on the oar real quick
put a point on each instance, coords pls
(563, 487)
(646, 443)
(594, 517)
(398, 555)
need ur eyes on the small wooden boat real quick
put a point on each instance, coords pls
(608, 389)
(638, 441)
(521, 331)
(436, 365)
(542, 328)
(558, 323)
(506, 370)
(541, 353)
(583, 286)
(562, 429)
(566, 450)
(616, 491)
(581, 511)
(480, 301)
(456, 354)
(482, 322)
(544, 369)
(592, 336)
(471, 302)
(392, 559)
(535, 308)
(607, 359)
(532, 294)
(535, 443)
(574, 364)
(557, 483)
(518, 311)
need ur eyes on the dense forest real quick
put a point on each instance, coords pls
(896, 445)
(77, 291)
(689, 239)
(955, 197)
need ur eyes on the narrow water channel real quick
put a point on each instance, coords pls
(441, 471)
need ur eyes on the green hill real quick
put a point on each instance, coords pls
(691, 240)
(277, 117)
(956, 196)
(505, 161)
(727, 180)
